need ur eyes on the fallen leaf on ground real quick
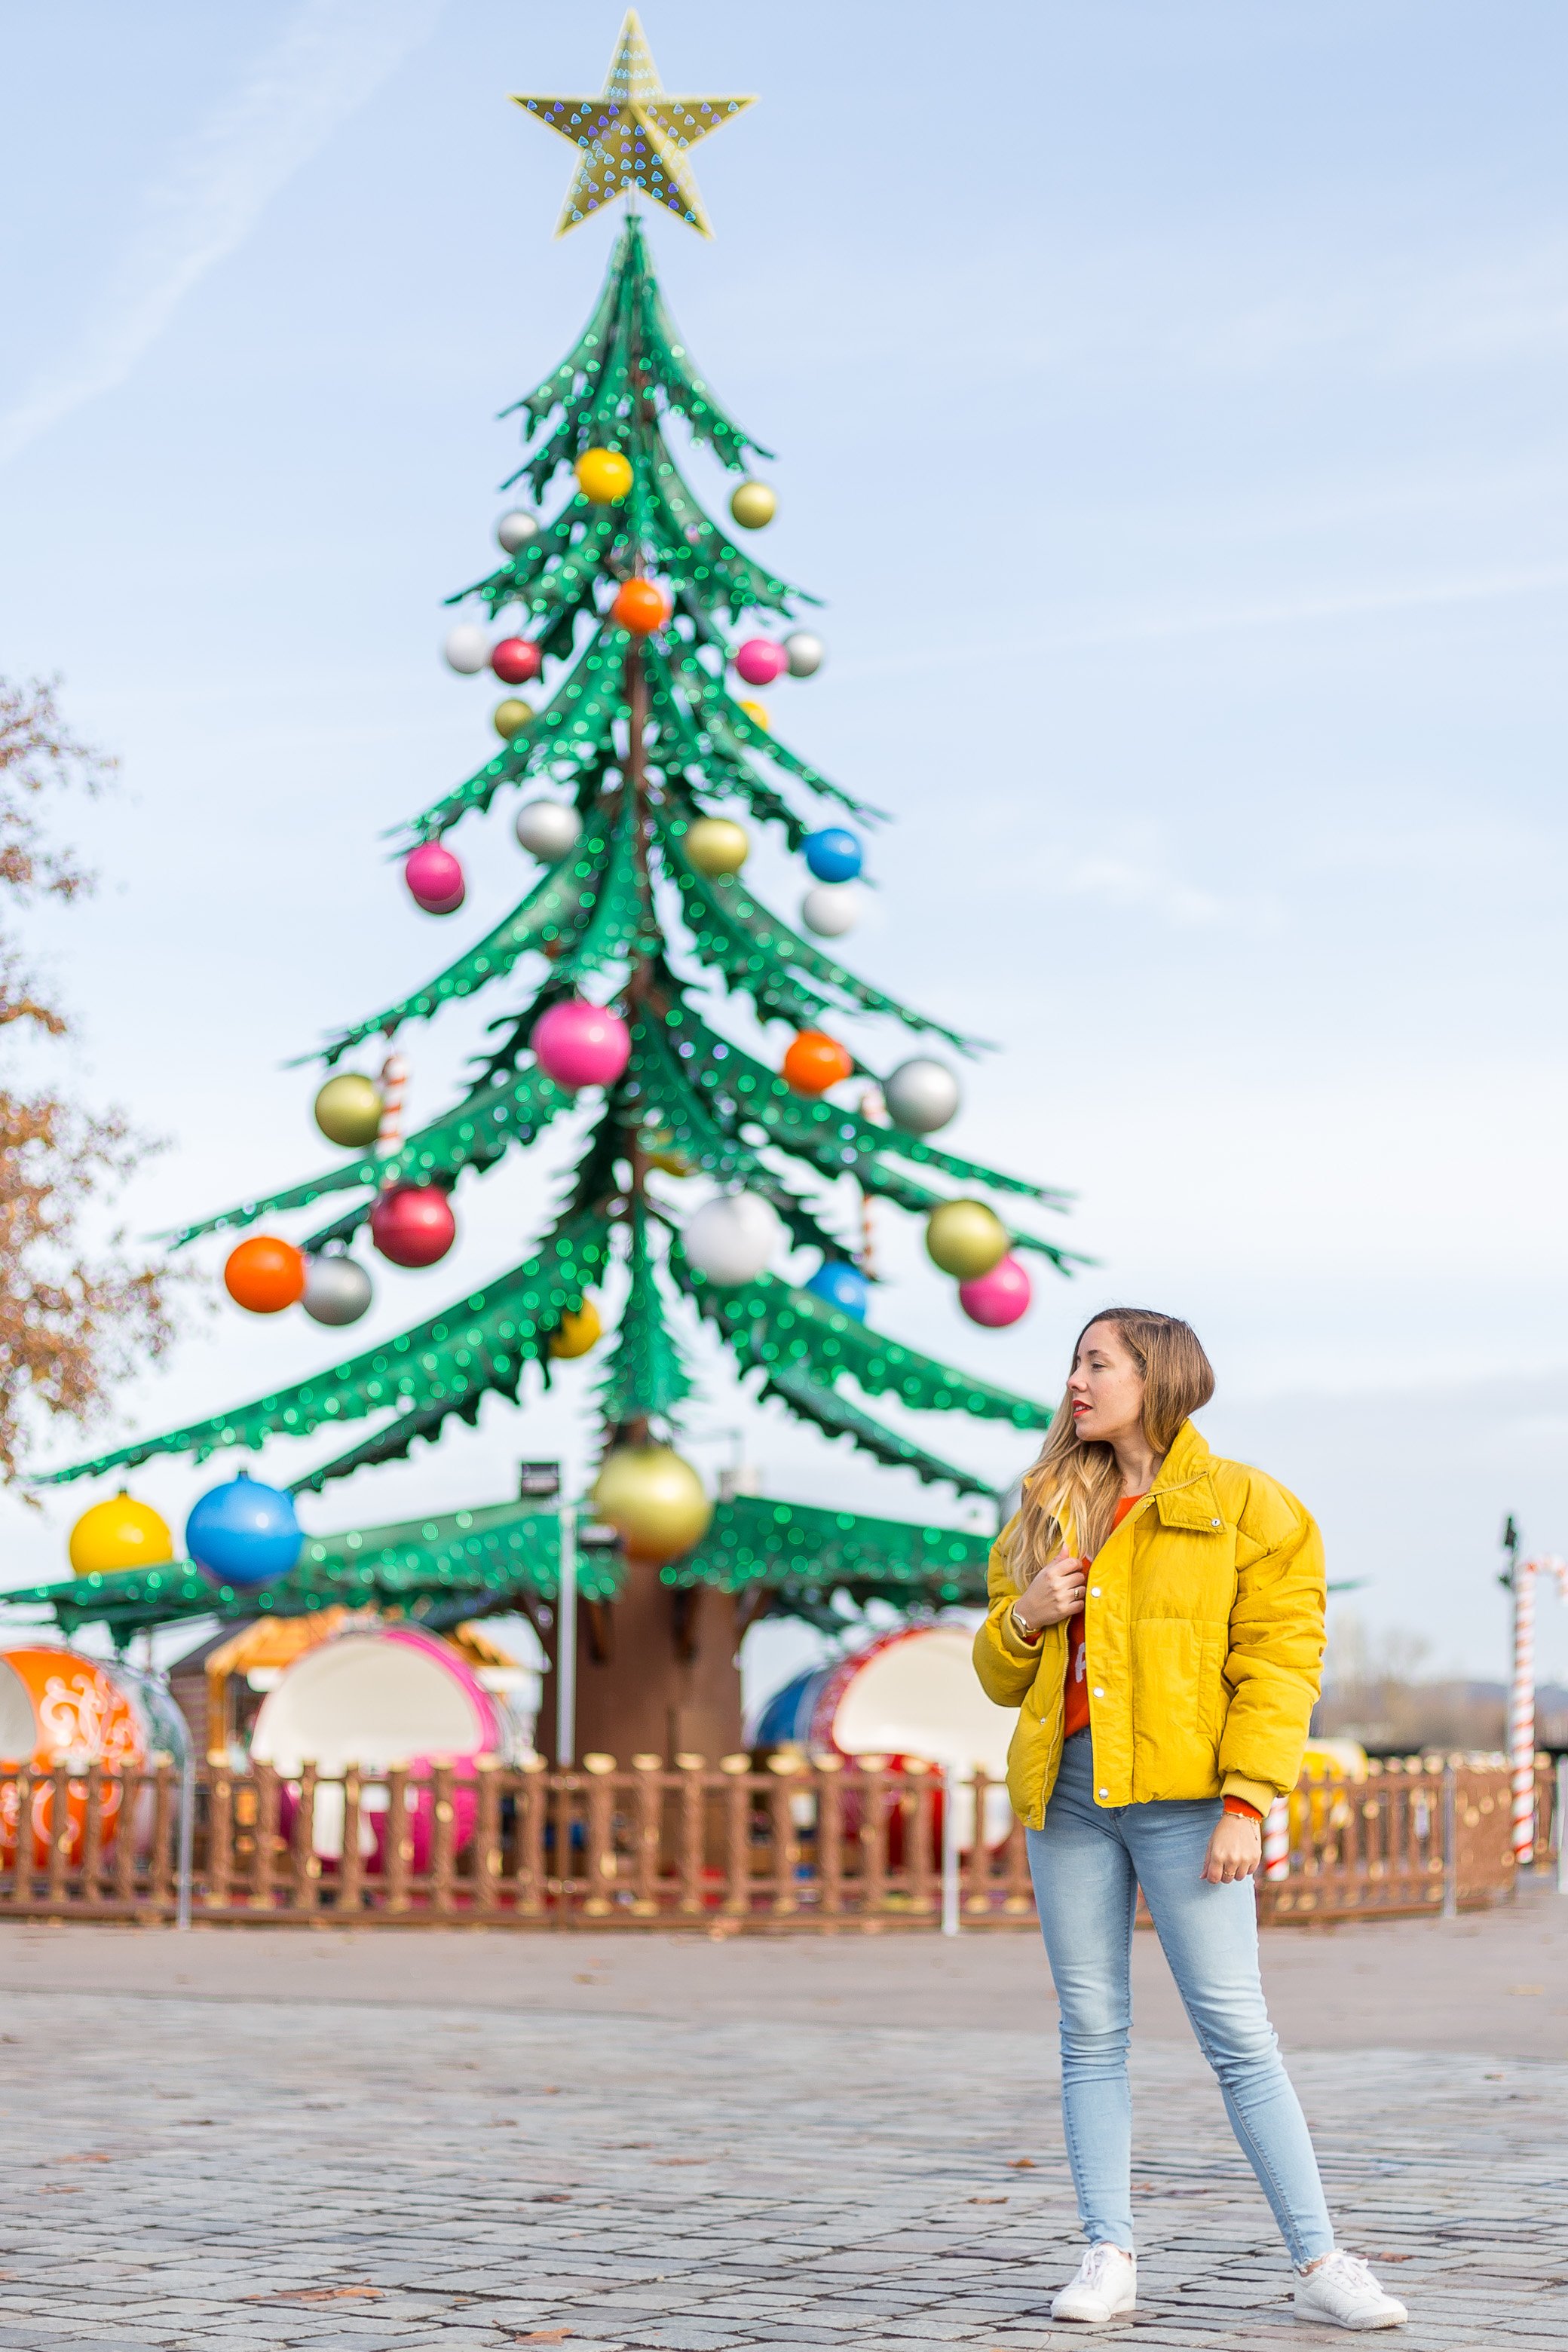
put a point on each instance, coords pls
(543, 2336)
(87, 2158)
(1021, 2163)
(1527, 1988)
(1391, 2258)
(318, 2294)
(988, 2200)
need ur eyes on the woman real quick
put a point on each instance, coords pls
(1157, 1618)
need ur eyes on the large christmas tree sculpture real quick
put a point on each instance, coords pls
(636, 606)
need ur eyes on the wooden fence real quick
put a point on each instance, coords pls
(794, 1846)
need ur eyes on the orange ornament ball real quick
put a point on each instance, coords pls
(815, 1061)
(265, 1274)
(640, 607)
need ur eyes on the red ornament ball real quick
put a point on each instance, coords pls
(413, 1225)
(515, 660)
(815, 1061)
(640, 607)
(265, 1274)
(434, 878)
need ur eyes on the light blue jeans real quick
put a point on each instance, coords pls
(1087, 1864)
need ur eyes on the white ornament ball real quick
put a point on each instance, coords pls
(337, 1290)
(732, 1239)
(467, 648)
(516, 529)
(804, 653)
(547, 829)
(831, 908)
(921, 1096)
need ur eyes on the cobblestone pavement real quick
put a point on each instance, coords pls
(451, 2157)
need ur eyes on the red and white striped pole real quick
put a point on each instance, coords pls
(1521, 1699)
(394, 1079)
(1276, 1839)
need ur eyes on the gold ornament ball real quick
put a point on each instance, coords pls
(604, 476)
(757, 712)
(754, 505)
(348, 1110)
(576, 1332)
(965, 1239)
(653, 1499)
(511, 716)
(121, 1533)
(715, 846)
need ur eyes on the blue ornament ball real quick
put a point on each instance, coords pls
(844, 1287)
(834, 854)
(244, 1533)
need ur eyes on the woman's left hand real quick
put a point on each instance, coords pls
(1235, 1851)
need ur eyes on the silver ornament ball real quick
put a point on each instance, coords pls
(467, 648)
(547, 829)
(337, 1290)
(921, 1096)
(804, 653)
(732, 1239)
(831, 908)
(516, 529)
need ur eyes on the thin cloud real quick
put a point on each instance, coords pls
(331, 58)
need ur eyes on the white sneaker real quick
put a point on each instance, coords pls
(1106, 2287)
(1342, 2291)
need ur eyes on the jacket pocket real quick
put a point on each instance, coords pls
(1175, 1708)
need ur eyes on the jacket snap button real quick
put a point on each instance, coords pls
(1105, 1793)
(1099, 1693)
(1214, 1523)
(1094, 1592)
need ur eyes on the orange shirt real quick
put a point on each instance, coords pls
(1075, 1712)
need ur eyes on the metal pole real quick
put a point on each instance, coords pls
(187, 1839)
(567, 1639)
(951, 1920)
(1450, 1845)
(1521, 1713)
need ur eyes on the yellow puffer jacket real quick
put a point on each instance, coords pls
(1203, 1625)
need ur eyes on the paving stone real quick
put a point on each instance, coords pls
(856, 2183)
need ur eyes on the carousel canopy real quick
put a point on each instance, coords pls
(792, 1557)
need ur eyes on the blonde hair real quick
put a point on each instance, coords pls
(1071, 1491)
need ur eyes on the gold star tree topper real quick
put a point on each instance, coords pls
(634, 138)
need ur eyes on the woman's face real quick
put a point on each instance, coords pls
(1106, 1387)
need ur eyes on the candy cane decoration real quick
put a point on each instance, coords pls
(1276, 1839)
(1521, 1699)
(394, 1079)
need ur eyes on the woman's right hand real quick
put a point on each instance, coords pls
(1055, 1593)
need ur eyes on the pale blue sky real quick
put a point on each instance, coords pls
(1170, 403)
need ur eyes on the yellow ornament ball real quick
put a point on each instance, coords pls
(121, 1533)
(715, 846)
(965, 1239)
(754, 505)
(604, 476)
(511, 716)
(348, 1110)
(757, 712)
(654, 1500)
(577, 1333)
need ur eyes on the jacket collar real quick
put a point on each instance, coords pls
(1183, 1491)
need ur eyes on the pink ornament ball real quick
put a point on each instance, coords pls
(996, 1298)
(516, 659)
(435, 879)
(413, 1225)
(580, 1044)
(759, 661)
